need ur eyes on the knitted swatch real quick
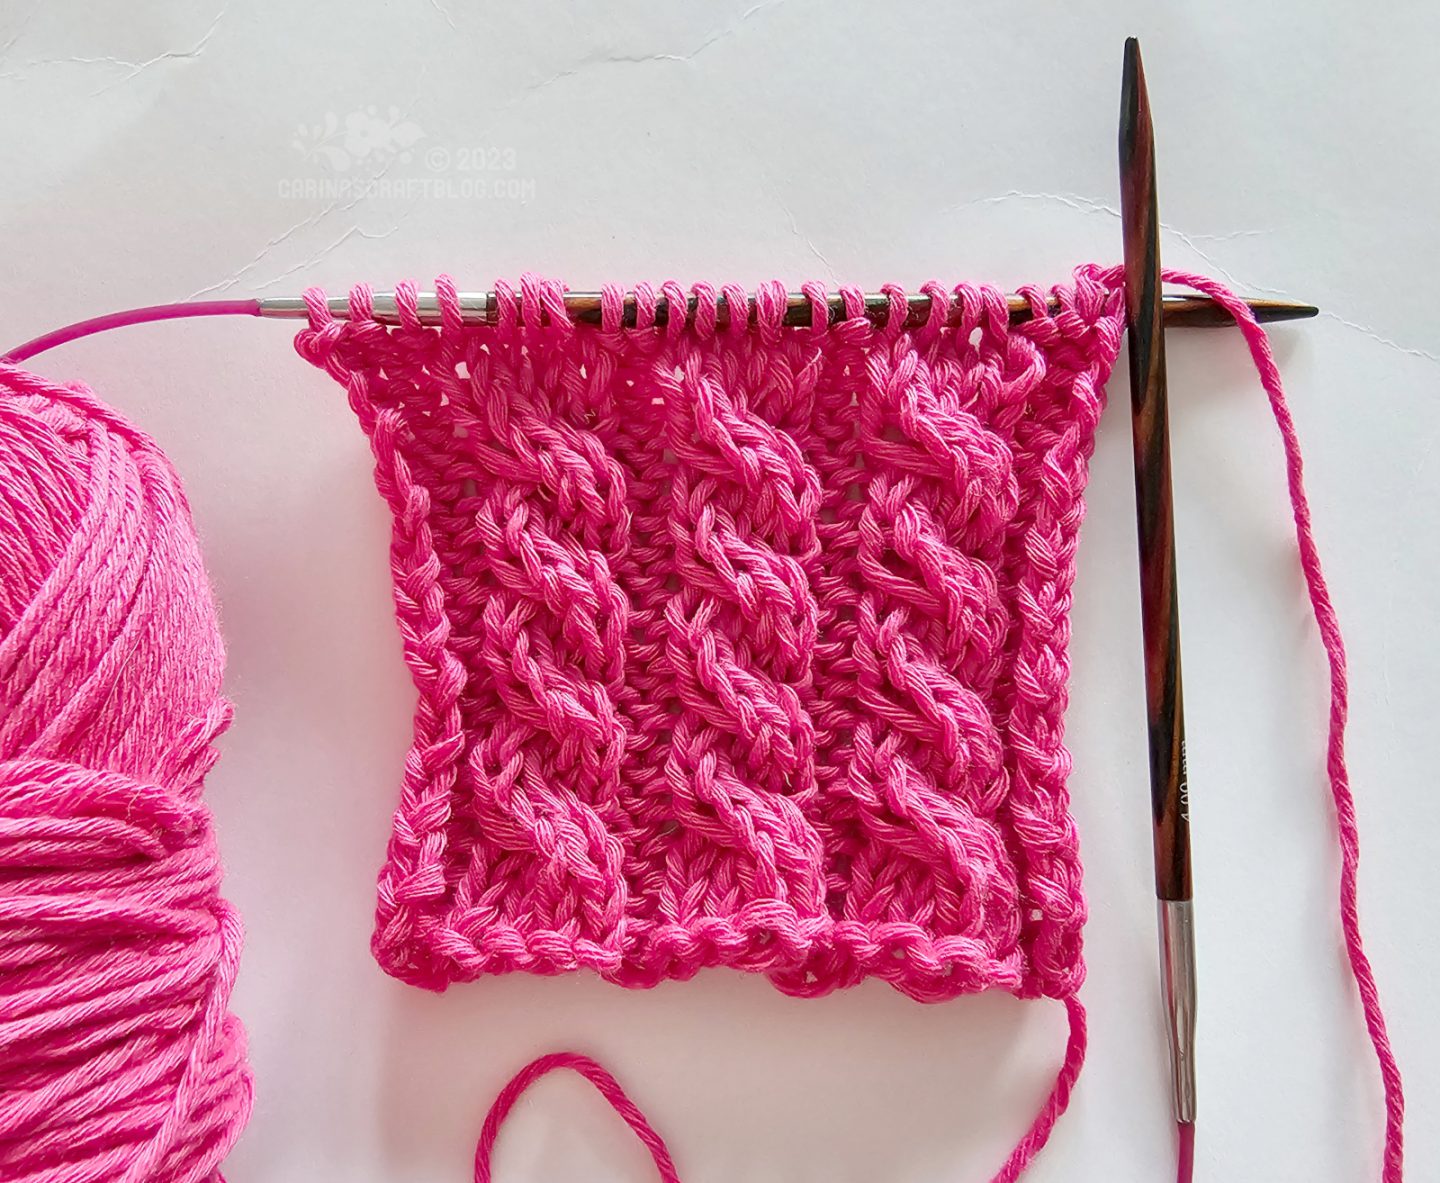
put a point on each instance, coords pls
(735, 645)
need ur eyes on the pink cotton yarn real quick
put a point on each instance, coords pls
(740, 646)
(736, 646)
(118, 1059)
(747, 645)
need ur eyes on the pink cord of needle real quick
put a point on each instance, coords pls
(130, 316)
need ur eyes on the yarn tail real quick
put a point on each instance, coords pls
(1055, 1104)
(610, 1089)
(1340, 791)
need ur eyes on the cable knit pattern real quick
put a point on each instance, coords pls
(735, 644)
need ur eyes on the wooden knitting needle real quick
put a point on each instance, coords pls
(1160, 616)
(584, 307)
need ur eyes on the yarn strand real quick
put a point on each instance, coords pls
(1025, 1150)
(1329, 626)
(605, 1084)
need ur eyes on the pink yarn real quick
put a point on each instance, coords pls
(118, 1059)
(740, 647)
(608, 1087)
(748, 646)
(1392, 1168)
(632, 1115)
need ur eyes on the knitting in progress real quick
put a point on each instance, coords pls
(735, 644)
(746, 645)
(734, 647)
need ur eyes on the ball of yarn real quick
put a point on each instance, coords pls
(118, 1056)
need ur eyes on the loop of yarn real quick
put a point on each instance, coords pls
(118, 1057)
(605, 1084)
(633, 1116)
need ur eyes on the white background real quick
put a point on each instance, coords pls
(157, 152)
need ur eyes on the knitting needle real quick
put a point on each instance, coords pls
(1159, 611)
(584, 307)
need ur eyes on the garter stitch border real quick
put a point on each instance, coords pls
(735, 646)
